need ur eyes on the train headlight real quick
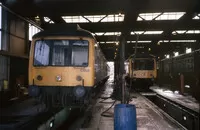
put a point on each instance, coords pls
(79, 91)
(58, 78)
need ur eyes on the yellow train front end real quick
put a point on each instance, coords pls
(139, 70)
(61, 69)
(142, 71)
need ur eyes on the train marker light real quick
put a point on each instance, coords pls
(187, 86)
(184, 117)
(51, 124)
(58, 78)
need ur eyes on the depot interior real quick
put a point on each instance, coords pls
(166, 29)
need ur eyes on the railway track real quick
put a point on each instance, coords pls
(187, 118)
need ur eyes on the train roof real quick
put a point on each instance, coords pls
(63, 30)
(142, 55)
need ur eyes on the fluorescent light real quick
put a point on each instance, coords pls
(138, 41)
(167, 56)
(187, 86)
(183, 41)
(176, 53)
(102, 42)
(110, 41)
(146, 32)
(177, 41)
(188, 50)
(139, 47)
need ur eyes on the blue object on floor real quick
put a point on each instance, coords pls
(125, 117)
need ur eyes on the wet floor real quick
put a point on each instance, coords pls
(148, 115)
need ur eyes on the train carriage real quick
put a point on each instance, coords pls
(65, 65)
(187, 65)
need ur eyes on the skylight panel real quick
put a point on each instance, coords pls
(99, 33)
(75, 19)
(147, 16)
(114, 18)
(94, 18)
(196, 17)
(137, 32)
(112, 33)
(186, 32)
(177, 41)
(183, 41)
(179, 32)
(110, 41)
(193, 32)
(170, 16)
(47, 19)
(102, 42)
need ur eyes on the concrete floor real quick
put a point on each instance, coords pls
(148, 116)
(185, 100)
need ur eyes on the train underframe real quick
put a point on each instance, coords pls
(65, 96)
(140, 84)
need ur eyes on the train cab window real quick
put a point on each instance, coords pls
(61, 53)
(80, 53)
(41, 56)
(143, 64)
